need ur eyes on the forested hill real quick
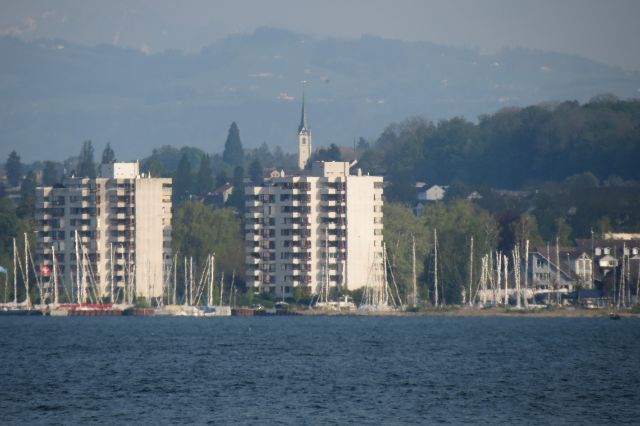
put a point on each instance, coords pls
(57, 94)
(512, 147)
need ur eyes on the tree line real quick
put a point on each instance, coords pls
(574, 166)
(514, 148)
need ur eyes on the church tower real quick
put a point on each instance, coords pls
(304, 138)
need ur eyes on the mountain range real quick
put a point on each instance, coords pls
(55, 94)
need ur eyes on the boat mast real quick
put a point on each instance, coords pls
(548, 274)
(498, 277)
(505, 264)
(77, 252)
(526, 274)
(186, 287)
(129, 290)
(384, 295)
(557, 271)
(435, 265)
(415, 283)
(638, 285)
(326, 264)
(221, 287)
(211, 278)
(111, 269)
(84, 272)
(516, 273)
(55, 279)
(191, 280)
(470, 270)
(26, 267)
(233, 283)
(15, 274)
(622, 279)
(175, 277)
(483, 279)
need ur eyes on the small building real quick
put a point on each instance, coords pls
(428, 194)
(549, 272)
(219, 196)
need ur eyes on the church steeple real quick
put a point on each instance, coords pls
(303, 127)
(304, 137)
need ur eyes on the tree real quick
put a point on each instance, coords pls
(13, 169)
(237, 196)
(525, 228)
(86, 164)
(182, 182)
(362, 146)
(204, 181)
(154, 167)
(27, 206)
(563, 232)
(233, 153)
(329, 154)
(108, 156)
(255, 171)
(456, 222)
(200, 231)
(221, 179)
(50, 174)
(401, 226)
(11, 226)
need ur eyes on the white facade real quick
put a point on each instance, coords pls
(123, 226)
(311, 229)
(304, 139)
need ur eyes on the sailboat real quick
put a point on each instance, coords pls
(377, 295)
(210, 309)
(25, 307)
(322, 302)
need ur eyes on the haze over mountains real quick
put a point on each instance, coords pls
(54, 95)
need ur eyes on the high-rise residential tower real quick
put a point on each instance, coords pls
(313, 229)
(110, 235)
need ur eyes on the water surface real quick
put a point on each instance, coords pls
(319, 370)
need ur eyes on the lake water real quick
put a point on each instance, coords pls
(319, 370)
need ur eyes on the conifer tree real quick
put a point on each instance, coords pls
(237, 196)
(255, 171)
(108, 155)
(182, 182)
(86, 164)
(204, 182)
(50, 175)
(233, 153)
(13, 169)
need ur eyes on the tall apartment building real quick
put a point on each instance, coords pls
(313, 228)
(123, 225)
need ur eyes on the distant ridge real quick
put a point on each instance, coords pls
(57, 94)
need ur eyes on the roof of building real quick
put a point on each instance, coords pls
(224, 188)
(565, 254)
(304, 126)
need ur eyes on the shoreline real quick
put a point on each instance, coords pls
(483, 313)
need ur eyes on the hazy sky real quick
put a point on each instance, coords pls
(605, 30)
